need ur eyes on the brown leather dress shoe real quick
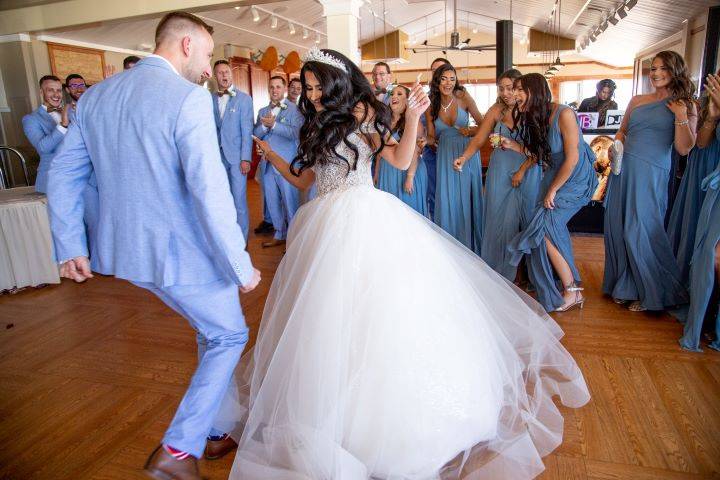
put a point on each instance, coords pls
(215, 449)
(273, 243)
(163, 466)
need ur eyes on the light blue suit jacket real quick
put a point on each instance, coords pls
(42, 131)
(234, 130)
(166, 215)
(284, 137)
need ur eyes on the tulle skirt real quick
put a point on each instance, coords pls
(388, 350)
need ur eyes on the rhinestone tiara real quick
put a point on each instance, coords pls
(317, 55)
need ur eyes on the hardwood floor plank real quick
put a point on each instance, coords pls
(90, 375)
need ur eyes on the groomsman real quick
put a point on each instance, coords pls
(279, 124)
(294, 90)
(381, 81)
(75, 87)
(234, 122)
(167, 220)
(46, 126)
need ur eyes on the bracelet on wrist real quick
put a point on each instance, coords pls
(682, 122)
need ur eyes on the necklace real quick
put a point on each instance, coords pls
(445, 107)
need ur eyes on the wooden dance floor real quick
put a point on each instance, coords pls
(90, 375)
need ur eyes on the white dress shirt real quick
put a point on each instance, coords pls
(275, 111)
(223, 101)
(58, 118)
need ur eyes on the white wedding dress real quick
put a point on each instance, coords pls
(388, 350)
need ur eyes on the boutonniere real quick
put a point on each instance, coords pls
(283, 106)
(232, 93)
(389, 88)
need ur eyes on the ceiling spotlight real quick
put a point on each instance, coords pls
(273, 22)
(237, 8)
(306, 34)
(291, 27)
(255, 14)
(317, 39)
(621, 12)
(630, 4)
(613, 19)
(474, 30)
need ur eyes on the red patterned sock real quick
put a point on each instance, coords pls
(178, 454)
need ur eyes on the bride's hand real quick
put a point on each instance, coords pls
(417, 102)
(262, 145)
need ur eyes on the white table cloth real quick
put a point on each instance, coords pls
(26, 251)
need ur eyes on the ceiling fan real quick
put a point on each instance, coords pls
(455, 43)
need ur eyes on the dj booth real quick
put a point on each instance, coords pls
(590, 218)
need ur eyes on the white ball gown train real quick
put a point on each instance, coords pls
(388, 350)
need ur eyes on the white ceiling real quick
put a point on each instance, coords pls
(647, 23)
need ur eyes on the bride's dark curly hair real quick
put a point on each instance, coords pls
(533, 123)
(342, 95)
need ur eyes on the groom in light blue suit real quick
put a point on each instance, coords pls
(167, 220)
(234, 122)
(279, 124)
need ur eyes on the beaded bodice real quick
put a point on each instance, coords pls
(336, 173)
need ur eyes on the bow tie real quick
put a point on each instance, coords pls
(380, 91)
(223, 92)
(275, 105)
(53, 109)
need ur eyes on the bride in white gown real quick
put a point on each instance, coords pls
(388, 350)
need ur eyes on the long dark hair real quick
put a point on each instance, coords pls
(681, 87)
(512, 74)
(435, 97)
(400, 125)
(533, 124)
(342, 93)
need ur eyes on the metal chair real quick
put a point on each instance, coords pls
(5, 172)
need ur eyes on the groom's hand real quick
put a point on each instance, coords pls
(77, 269)
(250, 286)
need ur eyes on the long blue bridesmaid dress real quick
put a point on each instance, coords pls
(702, 268)
(507, 210)
(429, 158)
(575, 193)
(688, 201)
(390, 179)
(418, 199)
(458, 195)
(639, 260)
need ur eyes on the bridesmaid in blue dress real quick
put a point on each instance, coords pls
(640, 268)
(705, 265)
(684, 217)
(409, 186)
(458, 194)
(511, 183)
(551, 136)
